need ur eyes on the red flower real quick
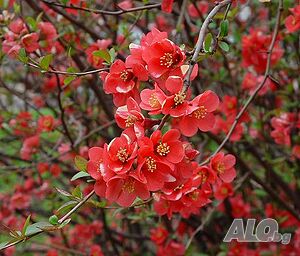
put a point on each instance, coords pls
(223, 190)
(55, 170)
(151, 169)
(97, 61)
(202, 8)
(292, 22)
(48, 35)
(95, 165)
(119, 79)
(158, 235)
(282, 128)
(30, 42)
(172, 248)
(46, 123)
(204, 174)
(29, 147)
(152, 100)
(167, 5)
(129, 115)
(168, 147)
(296, 151)
(176, 104)
(96, 250)
(223, 165)
(98, 171)
(250, 83)
(17, 26)
(201, 117)
(255, 47)
(163, 57)
(42, 167)
(120, 154)
(125, 190)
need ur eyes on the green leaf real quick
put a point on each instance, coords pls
(77, 192)
(64, 223)
(69, 79)
(207, 42)
(104, 54)
(53, 220)
(224, 28)
(63, 192)
(37, 228)
(80, 175)
(22, 56)
(26, 224)
(67, 205)
(224, 46)
(17, 8)
(113, 54)
(80, 163)
(46, 61)
(39, 17)
(32, 23)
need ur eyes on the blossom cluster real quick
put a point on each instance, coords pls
(144, 161)
(42, 37)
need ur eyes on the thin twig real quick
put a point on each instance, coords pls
(200, 41)
(68, 73)
(258, 88)
(61, 220)
(104, 12)
(62, 113)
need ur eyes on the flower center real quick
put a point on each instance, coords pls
(203, 176)
(130, 120)
(220, 168)
(47, 123)
(151, 164)
(179, 187)
(166, 60)
(122, 155)
(163, 149)
(200, 113)
(153, 101)
(179, 98)
(194, 195)
(126, 75)
(128, 186)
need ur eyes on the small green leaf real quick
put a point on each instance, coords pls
(37, 228)
(17, 8)
(67, 205)
(63, 192)
(26, 224)
(80, 163)
(113, 54)
(207, 42)
(224, 28)
(39, 17)
(104, 54)
(32, 23)
(77, 192)
(80, 175)
(22, 56)
(46, 61)
(64, 223)
(53, 220)
(224, 46)
(69, 79)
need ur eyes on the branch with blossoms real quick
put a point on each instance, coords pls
(153, 109)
